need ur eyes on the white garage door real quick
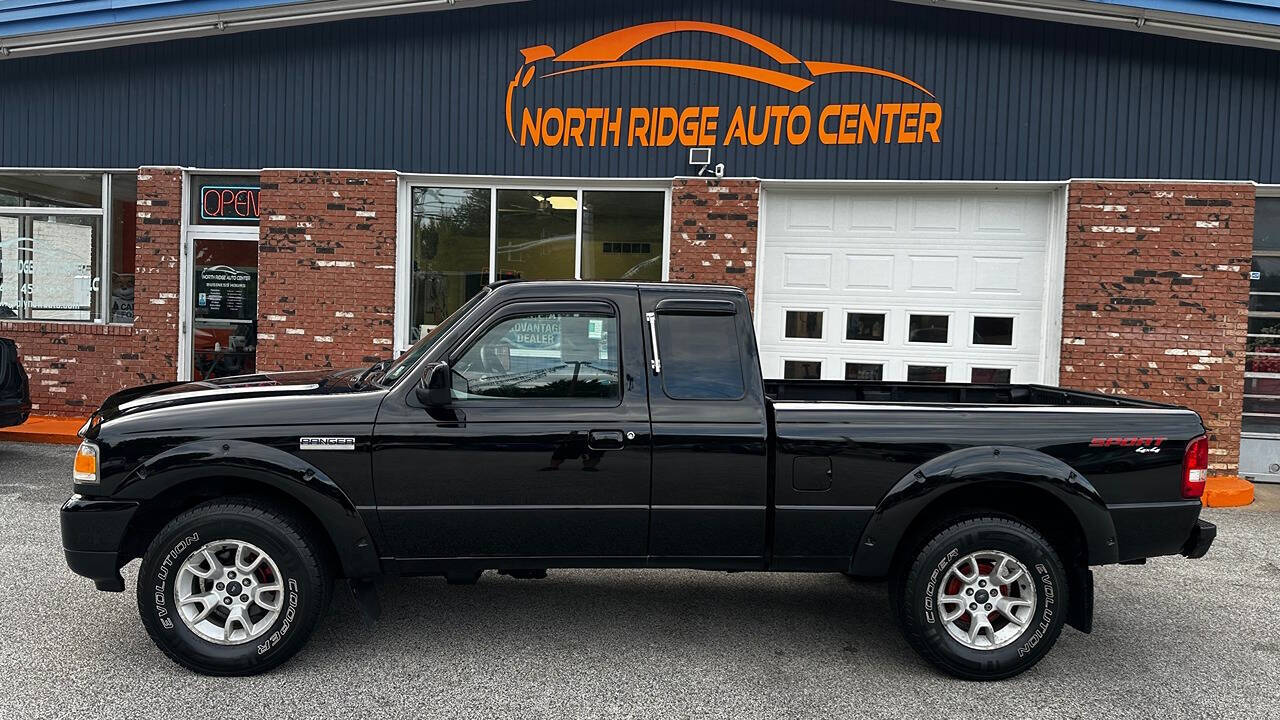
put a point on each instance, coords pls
(923, 286)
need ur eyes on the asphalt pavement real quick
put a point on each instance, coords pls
(1174, 638)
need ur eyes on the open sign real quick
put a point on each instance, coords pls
(229, 203)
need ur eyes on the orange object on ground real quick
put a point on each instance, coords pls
(1227, 491)
(45, 429)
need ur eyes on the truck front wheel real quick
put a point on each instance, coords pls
(983, 599)
(232, 587)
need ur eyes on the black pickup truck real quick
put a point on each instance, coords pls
(622, 425)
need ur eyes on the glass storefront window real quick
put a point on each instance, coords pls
(537, 234)
(67, 246)
(1262, 346)
(449, 254)
(47, 267)
(230, 200)
(622, 235)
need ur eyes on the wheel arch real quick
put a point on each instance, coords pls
(184, 477)
(1026, 485)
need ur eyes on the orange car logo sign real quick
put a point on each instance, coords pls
(845, 123)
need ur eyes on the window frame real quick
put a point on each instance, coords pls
(102, 270)
(950, 315)
(404, 225)
(1013, 331)
(520, 308)
(822, 312)
(822, 367)
(847, 310)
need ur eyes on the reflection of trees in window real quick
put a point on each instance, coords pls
(450, 251)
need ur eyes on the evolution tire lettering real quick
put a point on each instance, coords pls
(162, 577)
(1046, 615)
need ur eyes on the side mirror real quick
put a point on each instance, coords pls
(433, 391)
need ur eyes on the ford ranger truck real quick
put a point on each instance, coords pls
(621, 425)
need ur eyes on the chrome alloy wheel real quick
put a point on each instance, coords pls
(229, 592)
(986, 600)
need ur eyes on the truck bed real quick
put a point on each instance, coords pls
(945, 394)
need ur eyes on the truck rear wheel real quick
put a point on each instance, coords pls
(983, 599)
(232, 587)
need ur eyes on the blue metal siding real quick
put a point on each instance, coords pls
(20, 17)
(1022, 99)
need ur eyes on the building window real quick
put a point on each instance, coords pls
(1262, 348)
(537, 234)
(926, 373)
(992, 330)
(67, 246)
(622, 235)
(991, 376)
(449, 255)
(802, 370)
(229, 200)
(928, 329)
(552, 234)
(803, 325)
(864, 326)
(863, 371)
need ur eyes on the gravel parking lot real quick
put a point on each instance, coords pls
(1174, 638)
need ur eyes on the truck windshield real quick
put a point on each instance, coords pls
(428, 341)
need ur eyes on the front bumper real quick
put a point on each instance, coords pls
(1201, 538)
(93, 533)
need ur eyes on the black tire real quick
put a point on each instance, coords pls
(914, 589)
(305, 578)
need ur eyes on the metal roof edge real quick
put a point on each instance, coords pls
(1125, 17)
(217, 23)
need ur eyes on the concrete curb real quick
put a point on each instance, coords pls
(44, 429)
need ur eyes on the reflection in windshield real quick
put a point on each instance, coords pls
(428, 341)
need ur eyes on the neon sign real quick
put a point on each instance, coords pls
(229, 203)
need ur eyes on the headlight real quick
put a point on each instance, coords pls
(86, 468)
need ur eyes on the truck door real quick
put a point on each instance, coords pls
(706, 400)
(544, 450)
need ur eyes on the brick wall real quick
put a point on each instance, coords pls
(714, 228)
(73, 367)
(1156, 298)
(326, 269)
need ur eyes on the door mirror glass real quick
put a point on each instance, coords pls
(433, 391)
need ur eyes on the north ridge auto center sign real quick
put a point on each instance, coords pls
(829, 123)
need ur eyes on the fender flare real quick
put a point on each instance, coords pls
(253, 463)
(911, 495)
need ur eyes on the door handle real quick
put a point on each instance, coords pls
(606, 440)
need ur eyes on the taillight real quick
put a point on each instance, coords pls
(1195, 467)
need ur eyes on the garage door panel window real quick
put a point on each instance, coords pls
(991, 376)
(863, 371)
(992, 330)
(935, 329)
(926, 373)
(865, 326)
(803, 325)
(802, 369)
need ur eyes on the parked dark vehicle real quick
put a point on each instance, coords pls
(571, 424)
(15, 391)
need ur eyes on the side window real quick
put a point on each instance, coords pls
(569, 355)
(700, 359)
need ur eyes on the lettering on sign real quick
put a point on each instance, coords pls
(848, 121)
(235, 203)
